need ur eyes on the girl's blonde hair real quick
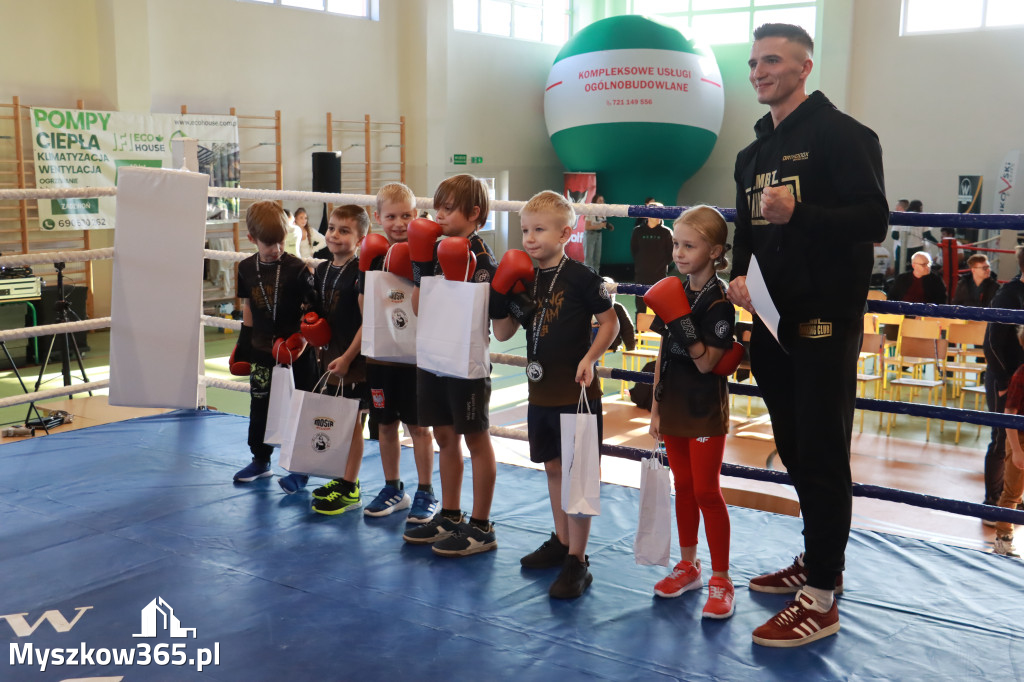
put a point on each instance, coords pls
(711, 225)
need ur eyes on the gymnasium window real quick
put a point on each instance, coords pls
(727, 21)
(946, 16)
(367, 9)
(540, 21)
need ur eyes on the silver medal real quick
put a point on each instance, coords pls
(534, 371)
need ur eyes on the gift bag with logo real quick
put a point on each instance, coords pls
(389, 325)
(318, 442)
(282, 385)
(653, 541)
(453, 335)
(581, 463)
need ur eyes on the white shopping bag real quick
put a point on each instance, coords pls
(389, 325)
(282, 385)
(453, 335)
(318, 442)
(581, 463)
(653, 541)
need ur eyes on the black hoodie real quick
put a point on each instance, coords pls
(818, 264)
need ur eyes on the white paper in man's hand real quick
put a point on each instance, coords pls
(761, 299)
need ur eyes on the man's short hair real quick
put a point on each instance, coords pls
(266, 222)
(553, 203)
(977, 259)
(354, 213)
(790, 32)
(464, 193)
(392, 193)
(922, 254)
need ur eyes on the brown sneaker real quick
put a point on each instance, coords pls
(798, 624)
(789, 580)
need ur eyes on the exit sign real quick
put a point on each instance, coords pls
(477, 159)
(459, 159)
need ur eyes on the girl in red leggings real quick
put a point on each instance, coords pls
(690, 411)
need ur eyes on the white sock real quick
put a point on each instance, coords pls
(822, 598)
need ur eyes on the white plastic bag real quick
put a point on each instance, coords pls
(581, 461)
(282, 385)
(321, 435)
(453, 335)
(653, 542)
(389, 325)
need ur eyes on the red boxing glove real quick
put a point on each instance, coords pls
(398, 261)
(667, 299)
(730, 360)
(315, 330)
(372, 246)
(422, 235)
(287, 351)
(514, 271)
(458, 262)
(239, 368)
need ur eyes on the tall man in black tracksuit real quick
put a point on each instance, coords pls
(810, 203)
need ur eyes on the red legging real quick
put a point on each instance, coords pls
(696, 465)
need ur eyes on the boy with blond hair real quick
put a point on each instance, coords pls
(562, 297)
(393, 387)
(456, 408)
(273, 286)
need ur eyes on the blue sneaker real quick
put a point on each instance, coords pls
(389, 500)
(293, 483)
(253, 470)
(424, 506)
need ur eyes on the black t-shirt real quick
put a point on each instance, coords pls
(566, 331)
(692, 404)
(652, 252)
(276, 292)
(337, 301)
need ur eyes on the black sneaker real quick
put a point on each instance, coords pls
(574, 579)
(343, 499)
(467, 539)
(549, 555)
(438, 528)
(324, 491)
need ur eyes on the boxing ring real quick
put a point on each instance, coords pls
(98, 523)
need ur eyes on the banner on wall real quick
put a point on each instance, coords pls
(1007, 179)
(77, 148)
(580, 188)
(968, 197)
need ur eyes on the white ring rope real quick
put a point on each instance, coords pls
(57, 257)
(57, 193)
(53, 393)
(222, 322)
(213, 382)
(47, 329)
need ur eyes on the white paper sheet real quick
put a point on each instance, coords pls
(761, 299)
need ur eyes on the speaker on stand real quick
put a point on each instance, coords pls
(326, 178)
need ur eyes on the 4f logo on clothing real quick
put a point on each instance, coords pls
(158, 615)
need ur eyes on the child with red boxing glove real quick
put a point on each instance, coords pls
(334, 329)
(456, 408)
(555, 306)
(273, 286)
(690, 411)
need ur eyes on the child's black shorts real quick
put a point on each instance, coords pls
(545, 428)
(392, 390)
(445, 401)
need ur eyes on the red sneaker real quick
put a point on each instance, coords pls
(684, 577)
(798, 624)
(789, 580)
(720, 598)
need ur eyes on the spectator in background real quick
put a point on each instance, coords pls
(640, 222)
(651, 247)
(977, 287)
(901, 207)
(918, 239)
(920, 285)
(961, 254)
(882, 268)
(595, 227)
(310, 241)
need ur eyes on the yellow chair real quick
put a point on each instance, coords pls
(979, 394)
(902, 361)
(877, 295)
(647, 345)
(965, 344)
(871, 348)
(926, 350)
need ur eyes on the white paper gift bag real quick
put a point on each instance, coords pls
(318, 442)
(581, 463)
(282, 385)
(453, 336)
(653, 542)
(389, 325)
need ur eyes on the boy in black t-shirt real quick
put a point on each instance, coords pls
(273, 286)
(563, 297)
(456, 408)
(651, 248)
(335, 286)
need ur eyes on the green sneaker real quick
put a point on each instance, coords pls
(339, 501)
(326, 489)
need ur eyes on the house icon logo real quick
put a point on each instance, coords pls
(157, 616)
